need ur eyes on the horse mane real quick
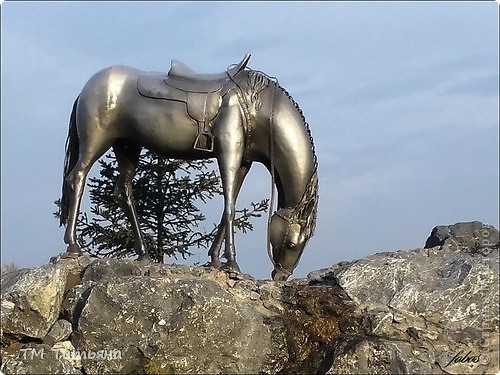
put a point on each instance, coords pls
(305, 212)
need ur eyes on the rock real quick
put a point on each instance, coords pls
(60, 331)
(431, 310)
(31, 305)
(174, 319)
(315, 319)
(442, 286)
(379, 356)
(31, 298)
(473, 237)
(66, 351)
(41, 358)
(445, 295)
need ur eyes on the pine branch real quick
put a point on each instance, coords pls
(167, 193)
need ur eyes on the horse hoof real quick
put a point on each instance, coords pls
(279, 276)
(231, 266)
(215, 263)
(71, 255)
(145, 258)
(73, 251)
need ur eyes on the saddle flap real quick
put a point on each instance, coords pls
(203, 107)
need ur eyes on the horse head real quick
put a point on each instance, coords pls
(288, 241)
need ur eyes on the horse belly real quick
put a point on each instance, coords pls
(164, 127)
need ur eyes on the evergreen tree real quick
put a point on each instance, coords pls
(166, 193)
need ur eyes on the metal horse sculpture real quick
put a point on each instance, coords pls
(238, 117)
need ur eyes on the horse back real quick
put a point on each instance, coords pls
(111, 104)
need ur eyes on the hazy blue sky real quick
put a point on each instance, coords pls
(402, 100)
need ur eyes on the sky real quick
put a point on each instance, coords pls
(401, 98)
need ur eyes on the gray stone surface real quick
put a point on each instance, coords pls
(379, 356)
(42, 359)
(431, 310)
(31, 305)
(471, 237)
(31, 298)
(442, 301)
(176, 321)
(60, 331)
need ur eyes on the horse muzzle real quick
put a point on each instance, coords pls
(280, 275)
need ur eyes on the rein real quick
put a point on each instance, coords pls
(273, 178)
(277, 266)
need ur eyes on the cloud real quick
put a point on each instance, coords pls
(475, 84)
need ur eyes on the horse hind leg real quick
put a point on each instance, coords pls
(127, 157)
(76, 179)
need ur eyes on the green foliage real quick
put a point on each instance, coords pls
(166, 193)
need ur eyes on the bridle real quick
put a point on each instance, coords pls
(289, 223)
(277, 266)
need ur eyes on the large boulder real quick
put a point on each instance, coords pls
(431, 310)
(31, 298)
(172, 320)
(473, 237)
(60, 358)
(427, 310)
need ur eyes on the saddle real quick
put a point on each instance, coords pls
(202, 94)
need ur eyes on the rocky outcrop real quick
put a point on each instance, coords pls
(31, 298)
(431, 310)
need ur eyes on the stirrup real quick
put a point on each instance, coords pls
(204, 142)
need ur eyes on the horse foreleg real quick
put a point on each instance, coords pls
(214, 251)
(128, 159)
(229, 137)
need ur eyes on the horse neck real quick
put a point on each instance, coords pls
(295, 164)
(293, 153)
(275, 116)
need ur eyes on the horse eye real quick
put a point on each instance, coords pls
(290, 244)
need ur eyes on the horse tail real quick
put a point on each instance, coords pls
(72, 150)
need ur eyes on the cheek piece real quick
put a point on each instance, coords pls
(295, 229)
